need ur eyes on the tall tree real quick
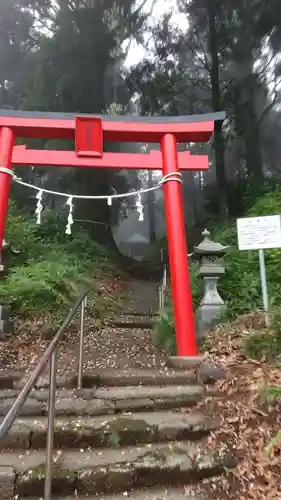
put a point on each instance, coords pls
(78, 69)
(18, 42)
(218, 62)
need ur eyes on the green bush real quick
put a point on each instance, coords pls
(263, 345)
(164, 330)
(240, 286)
(51, 265)
(266, 344)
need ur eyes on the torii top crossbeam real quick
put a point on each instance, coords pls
(89, 133)
(44, 125)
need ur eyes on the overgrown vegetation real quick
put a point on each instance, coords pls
(51, 266)
(240, 287)
(266, 344)
(164, 330)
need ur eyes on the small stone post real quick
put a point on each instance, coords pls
(5, 258)
(211, 268)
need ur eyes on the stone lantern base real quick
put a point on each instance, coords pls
(5, 322)
(207, 316)
(185, 362)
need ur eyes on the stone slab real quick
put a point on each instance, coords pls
(80, 406)
(148, 494)
(7, 482)
(170, 392)
(30, 407)
(9, 378)
(205, 372)
(135, 377)
(185, 362)
(134, 322)
(107, 400)
(114, 471)
(18, 436)
(108, 430)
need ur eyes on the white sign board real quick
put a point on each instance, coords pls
(257, 233)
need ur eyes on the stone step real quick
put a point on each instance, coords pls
(151, 494)
(104, 401)
(116, 377)
(134, 377)
(9, 379)
(110, 431)
(137, 314)
(132, 321)
(113, 471)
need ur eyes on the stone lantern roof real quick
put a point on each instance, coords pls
(209, 247)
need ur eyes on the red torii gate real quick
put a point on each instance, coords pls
(89, 133)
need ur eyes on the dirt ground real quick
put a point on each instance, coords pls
(105, 346)
(249, 419)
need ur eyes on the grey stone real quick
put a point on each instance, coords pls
(169, 392)
(134, 377)
(18, 437)
(8, 394)
(43, 395)
(109, 430)
(111, 479)
(144, 377)
(79, 406)
(134, 404)
(7, 482)
(97, 472)
(6, 325)
(185, 362)
(30, 407)
(8, 379)
(181, 427)
(176, 402)
(151, 494)
(209, 374)
(134, 322)
(31, 482)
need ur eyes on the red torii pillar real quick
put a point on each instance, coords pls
(89, 133)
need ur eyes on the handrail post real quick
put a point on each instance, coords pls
(81, 344)
(162, 288)
(160, 298)
(50, 431)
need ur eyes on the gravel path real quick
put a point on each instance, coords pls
(109, 347)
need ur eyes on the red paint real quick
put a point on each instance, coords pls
(7, 141)
(182, 298)
(153, 161)
(88, 137)
(90, 133)
(113, 131)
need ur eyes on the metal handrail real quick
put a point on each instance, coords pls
(50, 355)
(162, 288)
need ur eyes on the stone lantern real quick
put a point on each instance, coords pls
(211, 268)
(5, 259)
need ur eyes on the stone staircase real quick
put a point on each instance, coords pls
(140, 307)
(123, 435)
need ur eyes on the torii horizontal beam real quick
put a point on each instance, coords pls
(192, 128)
(136, 161)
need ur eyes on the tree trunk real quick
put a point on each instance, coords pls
(252, 143)
(219, 145)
